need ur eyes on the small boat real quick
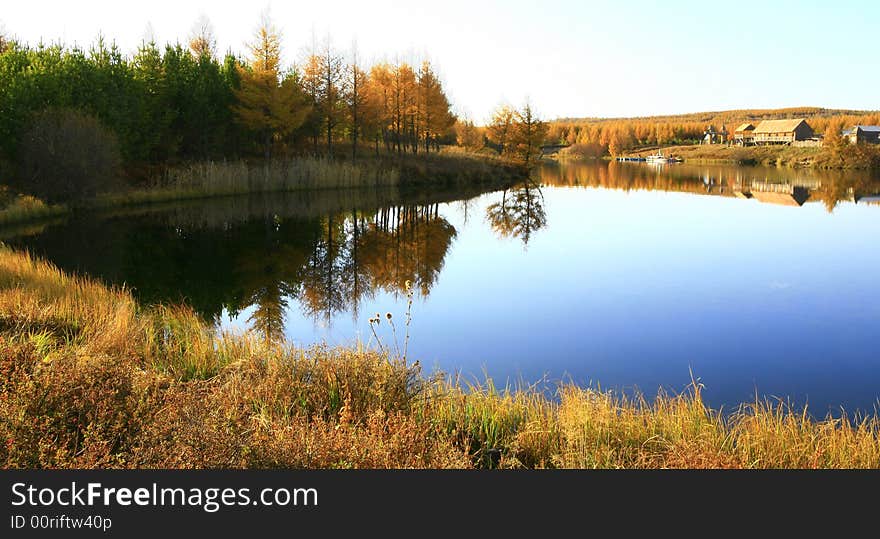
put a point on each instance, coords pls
(657, 158)
(660, 158)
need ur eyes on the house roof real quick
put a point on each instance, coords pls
(868, 128)
(778, 126)
(744, 127)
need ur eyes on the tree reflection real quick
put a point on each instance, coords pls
(268, 268)
(358, 256)
(407, 243)
(325, 280)
(260, 257)
(831, 187)
(519, 214)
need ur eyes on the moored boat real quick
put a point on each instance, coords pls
(660, 158)
(657, 158)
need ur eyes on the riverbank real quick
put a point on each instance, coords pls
(90, 378)
(861, 157)
(230, 178)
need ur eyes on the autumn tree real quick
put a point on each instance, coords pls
(202, 42)
(381, 92)
(362, 100)
(501, 127)
(614, 144)
(354, 95)
(468, 135)
(310, 79)
(370, 112)
(268, 104)
(434, 115)
(330, 98)
(527, 135)
(403, 84)
(832, 138)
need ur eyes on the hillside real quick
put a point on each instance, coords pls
(730, 116)
(601, 136)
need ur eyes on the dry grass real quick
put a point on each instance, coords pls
(448, 168)
(212, 179)
(847, 157)
(21, 208)
(90, 379)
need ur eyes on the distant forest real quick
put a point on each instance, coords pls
(601, 136)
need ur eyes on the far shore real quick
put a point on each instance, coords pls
(861, 157)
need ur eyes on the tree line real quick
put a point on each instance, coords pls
(186, 102)
(332, 101)
(516, 134)
(596, 136)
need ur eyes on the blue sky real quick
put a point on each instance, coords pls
(588, 58)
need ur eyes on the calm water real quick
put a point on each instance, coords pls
(627, 275)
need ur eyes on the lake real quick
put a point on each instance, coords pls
(759, 281)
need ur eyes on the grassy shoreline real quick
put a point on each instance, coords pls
(851, 157)
(90, 378)
(223, 179)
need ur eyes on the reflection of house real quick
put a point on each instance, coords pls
(867, 134)
(873, 199)
(782, 131)
(744, 134)
(552, 149)
(785, 196)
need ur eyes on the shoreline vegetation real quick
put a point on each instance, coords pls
(210, 179)
(851, 157)
(92, 128)
(90, 378)
(843, 157)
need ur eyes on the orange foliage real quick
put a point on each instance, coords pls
(615, 135)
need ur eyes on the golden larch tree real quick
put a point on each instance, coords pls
(528, 135)
(270, 105)
(434, 115)
(202, 42)
(501, 127)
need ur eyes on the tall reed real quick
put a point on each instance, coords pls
(237, 177)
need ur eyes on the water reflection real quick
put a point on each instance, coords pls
(719, 277)
(340, 261)
(326, 254)
(358, 255)
(785, 186)
(265, 256)
(519, 213)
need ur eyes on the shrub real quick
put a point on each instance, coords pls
(68, 156)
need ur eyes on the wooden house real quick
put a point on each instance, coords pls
(782, 131)
(863, 134)
(744, 135)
